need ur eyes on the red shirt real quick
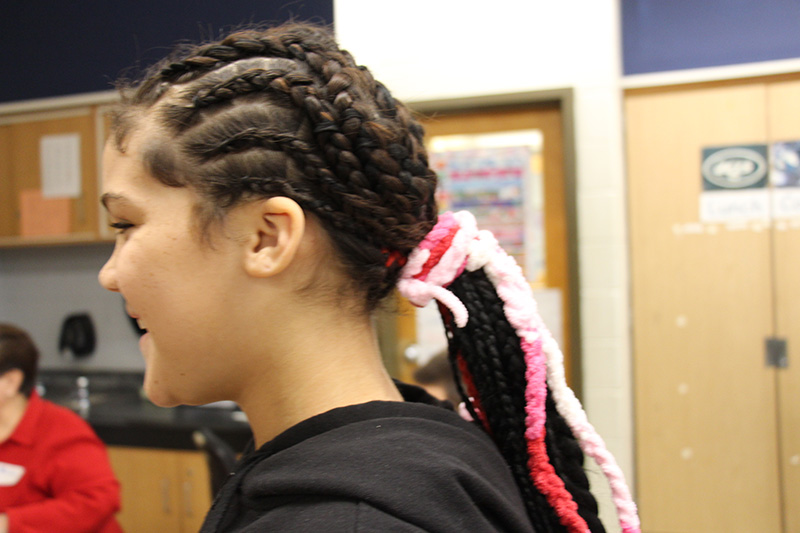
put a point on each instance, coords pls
(67, 484)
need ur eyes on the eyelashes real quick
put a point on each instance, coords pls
(120, 227)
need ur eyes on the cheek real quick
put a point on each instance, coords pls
(141, 273)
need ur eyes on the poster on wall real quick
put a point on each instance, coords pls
(735, 184)
(785, 179)
(498, 178)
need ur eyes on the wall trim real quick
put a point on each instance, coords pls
(697, 75)
(59, 102)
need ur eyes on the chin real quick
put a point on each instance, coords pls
(160, 398)
(158, 392)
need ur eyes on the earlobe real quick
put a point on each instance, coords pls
(280, 226)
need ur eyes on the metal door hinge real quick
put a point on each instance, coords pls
(777, 354)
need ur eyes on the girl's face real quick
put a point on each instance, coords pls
(182, 290)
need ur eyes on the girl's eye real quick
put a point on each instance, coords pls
(121, 227)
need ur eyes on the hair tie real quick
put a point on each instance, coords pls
(437, 261)
(395, 256)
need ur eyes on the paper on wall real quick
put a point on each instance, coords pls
(60, 158)
(43, 216)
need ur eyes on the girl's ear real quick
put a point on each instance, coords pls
(279, 226)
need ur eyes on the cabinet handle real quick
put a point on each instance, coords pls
(777, 353)
(187, 498)
(187, 494)
(165, 496)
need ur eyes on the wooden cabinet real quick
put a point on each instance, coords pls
(71, 217)
(162, 490)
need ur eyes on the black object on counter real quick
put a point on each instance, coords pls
(77, 335)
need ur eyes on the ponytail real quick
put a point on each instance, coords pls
(513, 375)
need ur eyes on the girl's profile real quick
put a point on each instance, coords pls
(268, 194)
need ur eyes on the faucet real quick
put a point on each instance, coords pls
(83, 396)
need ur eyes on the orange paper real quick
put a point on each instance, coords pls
(43, 216)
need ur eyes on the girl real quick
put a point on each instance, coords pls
(268, 194)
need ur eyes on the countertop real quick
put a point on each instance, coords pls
(122, 416)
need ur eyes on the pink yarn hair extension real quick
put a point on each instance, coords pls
(475, 250)
(420, 282)
(521, 310)
(514, 291)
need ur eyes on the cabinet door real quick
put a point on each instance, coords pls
(150, 489)
(195, 490)
(21, 170)
(705, 403)
(162, 490)
(784, 124)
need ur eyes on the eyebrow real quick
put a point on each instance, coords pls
(109, 198)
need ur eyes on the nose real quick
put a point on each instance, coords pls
(108, 274)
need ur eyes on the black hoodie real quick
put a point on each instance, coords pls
(375, 467)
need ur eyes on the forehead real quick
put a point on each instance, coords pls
(130, 148)
(121, 162)
(126, 181)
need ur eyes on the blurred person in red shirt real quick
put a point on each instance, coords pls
(54, 471)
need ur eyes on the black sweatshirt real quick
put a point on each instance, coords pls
(375, 467)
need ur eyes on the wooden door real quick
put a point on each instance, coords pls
(561, 263)
(705, 403)
(783, 116)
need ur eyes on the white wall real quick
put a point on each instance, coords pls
(438, 49)
(39, 287)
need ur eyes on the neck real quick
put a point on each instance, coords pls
(328, 361)
(11, 412)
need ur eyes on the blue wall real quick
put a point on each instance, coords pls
(55, 48)
(661, 35)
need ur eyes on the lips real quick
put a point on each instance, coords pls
(138, 319)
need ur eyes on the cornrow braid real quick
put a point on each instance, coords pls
(285, 111)
(514, 374)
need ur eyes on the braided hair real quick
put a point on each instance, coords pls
(511, 375)
(284, 111)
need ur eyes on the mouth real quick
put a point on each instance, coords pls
(137, 320)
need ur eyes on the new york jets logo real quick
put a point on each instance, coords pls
(734, 168)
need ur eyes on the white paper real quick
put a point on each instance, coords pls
(786, 202)
(61, 165)
(735, 205)
(548, 303)
(10, 474)
(431, 337)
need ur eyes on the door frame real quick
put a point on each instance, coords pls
(564, 99)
